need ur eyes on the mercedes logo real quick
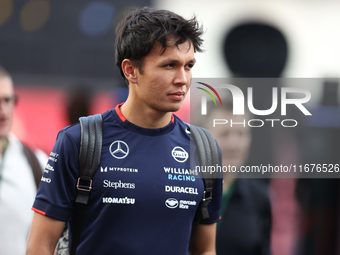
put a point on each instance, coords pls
(119, 149)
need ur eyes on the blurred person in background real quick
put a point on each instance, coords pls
(79, 99)
(20, 172)
(245, 226)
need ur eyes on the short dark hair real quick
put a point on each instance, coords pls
(137, 33)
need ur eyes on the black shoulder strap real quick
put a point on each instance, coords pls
(89, 154)
(89, 161)
(34, 163)
(208, 156)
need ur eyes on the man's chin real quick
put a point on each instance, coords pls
(174, 110)
(4, 130)
(3, 135)
(175, 107)
(170, 107)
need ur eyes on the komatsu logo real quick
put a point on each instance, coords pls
(179, 154)
(115, 200)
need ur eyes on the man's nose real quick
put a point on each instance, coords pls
(181, 76)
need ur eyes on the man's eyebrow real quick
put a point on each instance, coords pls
(193, 61)
(170, 60)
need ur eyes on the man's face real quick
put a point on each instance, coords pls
(234, 141)
(164, 80)
(6, 105)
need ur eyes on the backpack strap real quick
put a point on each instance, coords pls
(89, 154)
(89, 161)
(34, 163)
(208, 156)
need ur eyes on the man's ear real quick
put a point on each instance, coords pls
(129, 70)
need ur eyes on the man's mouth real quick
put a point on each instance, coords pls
(177, 95)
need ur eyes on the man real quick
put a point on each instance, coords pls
(17, 181)
(132, 208)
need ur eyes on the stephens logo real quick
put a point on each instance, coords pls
(118, 185)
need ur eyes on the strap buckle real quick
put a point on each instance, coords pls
(207, 195)
(83, 185)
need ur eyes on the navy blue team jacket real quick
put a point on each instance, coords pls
(144, 194)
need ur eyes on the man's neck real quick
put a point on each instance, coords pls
(146, 118)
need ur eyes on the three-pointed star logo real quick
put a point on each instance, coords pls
(119, 149)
